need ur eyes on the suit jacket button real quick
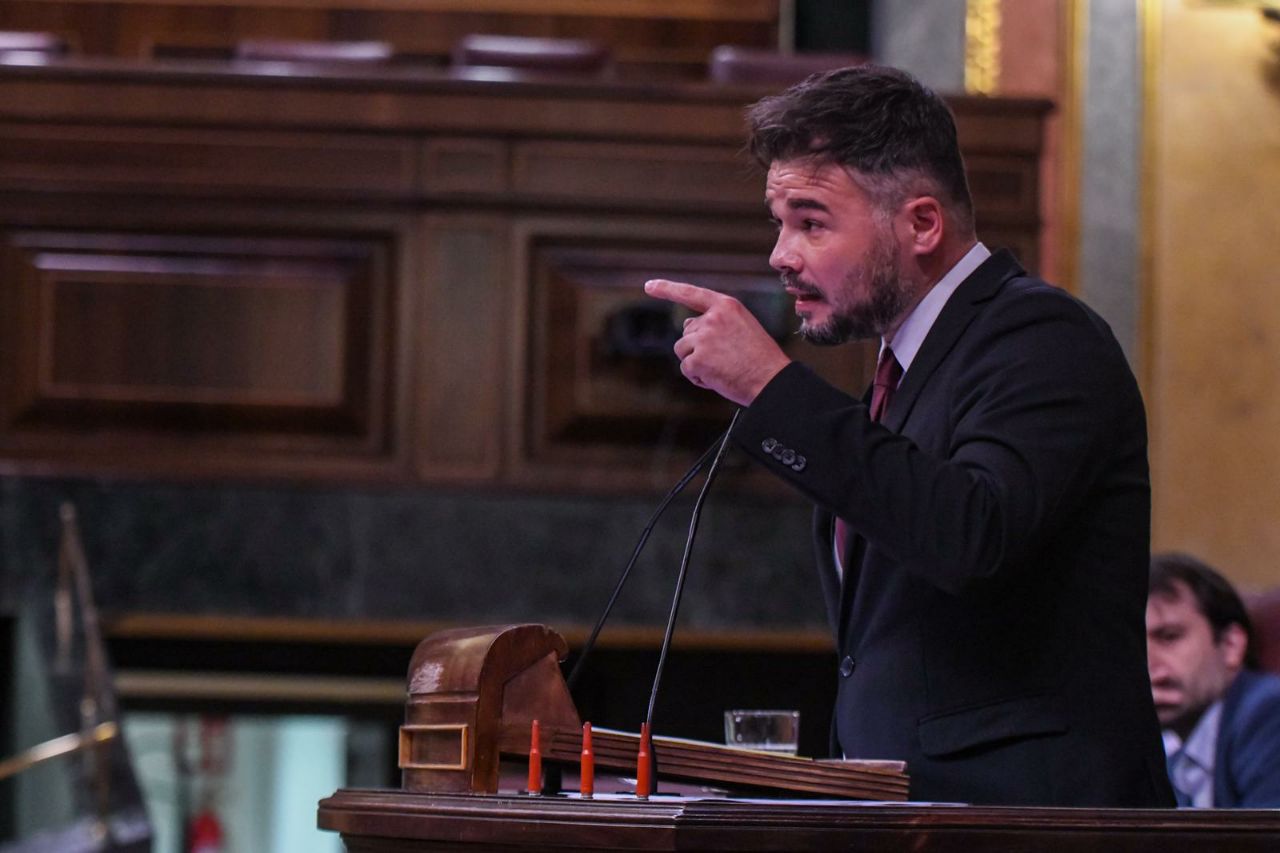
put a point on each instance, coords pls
(788, 456)
(768, 445)
(847, 666)
(799, 464)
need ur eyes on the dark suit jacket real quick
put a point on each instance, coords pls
(1246, 771)
(991, 628)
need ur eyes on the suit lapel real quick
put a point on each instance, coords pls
(956, 316)
(961, 308)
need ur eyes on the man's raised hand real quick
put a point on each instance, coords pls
(724, 349)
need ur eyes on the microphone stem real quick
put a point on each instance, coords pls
(587, 648)
(684, 565)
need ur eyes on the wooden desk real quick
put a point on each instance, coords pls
(378, 821)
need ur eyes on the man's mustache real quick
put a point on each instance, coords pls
(803, 287)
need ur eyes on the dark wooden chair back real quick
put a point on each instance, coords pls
(22, 41)
(1264, 613)
(748, 66)
(572, 56)
(289, 50)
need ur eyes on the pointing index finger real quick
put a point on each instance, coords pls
(690, 296)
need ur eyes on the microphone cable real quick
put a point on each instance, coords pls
(715, 449)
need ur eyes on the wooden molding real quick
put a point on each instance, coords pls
(204, 686)
(696, 10)
(254, 629)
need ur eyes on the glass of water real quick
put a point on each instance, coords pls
(771, 731)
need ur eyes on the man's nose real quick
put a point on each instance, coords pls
(1155, 662)
(782, 258)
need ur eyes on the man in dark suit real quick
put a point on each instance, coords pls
(982, 527)
(1221, 716)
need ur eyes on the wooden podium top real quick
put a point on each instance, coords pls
(382, 821)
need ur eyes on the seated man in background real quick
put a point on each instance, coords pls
(1221, 718)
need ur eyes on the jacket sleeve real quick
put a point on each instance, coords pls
(1254, 756)
(1006, 441)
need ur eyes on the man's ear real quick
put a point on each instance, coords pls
(1234, 642)
(924, 223)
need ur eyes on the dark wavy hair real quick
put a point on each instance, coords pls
(1215, 598)
(895, 134)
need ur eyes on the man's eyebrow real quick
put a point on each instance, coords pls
(801, 204)
(807, 204)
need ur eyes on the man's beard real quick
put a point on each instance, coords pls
(880, 278)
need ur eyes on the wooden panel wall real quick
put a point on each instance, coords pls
(462, 346)
(156, 341)
(398, 277)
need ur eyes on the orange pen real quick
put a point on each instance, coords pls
(587, 784)
(643, 766)
(534, 785)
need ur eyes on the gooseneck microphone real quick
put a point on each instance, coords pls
(715, 449)
(684, 565)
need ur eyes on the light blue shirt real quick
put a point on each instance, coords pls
(1192, 762)
(911, 334)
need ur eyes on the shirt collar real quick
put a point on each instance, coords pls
(912, 332)
(1191, 767)
(1202, 744)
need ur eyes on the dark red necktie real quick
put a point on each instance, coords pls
(888, 374)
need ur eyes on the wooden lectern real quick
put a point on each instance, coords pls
(400, 822)
(474, 692)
